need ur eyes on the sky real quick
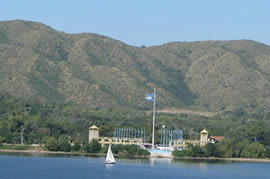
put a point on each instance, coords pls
(149, 22)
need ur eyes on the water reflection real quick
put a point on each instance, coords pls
(109, 166)
(131, 161)
(175, 163)
(160, 161)
(203, 166)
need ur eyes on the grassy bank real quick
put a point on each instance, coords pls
(17, 147)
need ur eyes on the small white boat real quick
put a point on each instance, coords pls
(109, 157)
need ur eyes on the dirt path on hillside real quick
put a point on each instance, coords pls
(186, 111)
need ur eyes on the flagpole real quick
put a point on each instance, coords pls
(153, 134)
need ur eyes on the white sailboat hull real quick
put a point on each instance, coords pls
(109, 162)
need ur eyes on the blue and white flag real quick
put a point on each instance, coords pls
(149, 97)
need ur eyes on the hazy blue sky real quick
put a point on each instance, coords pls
(149, 22)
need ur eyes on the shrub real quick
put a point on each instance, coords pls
(142, 152)
(76, 147)
(267, 151)
(178, 153)
(1, 140)
(104, 149)
(92, 147)
(86, 148)
(52, 144)
(63, 143)
(21, 147)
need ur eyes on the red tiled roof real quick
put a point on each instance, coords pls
(218, 137)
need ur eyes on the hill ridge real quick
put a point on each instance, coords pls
(96, 71)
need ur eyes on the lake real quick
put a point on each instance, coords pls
(37, 166)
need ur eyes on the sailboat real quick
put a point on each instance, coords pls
(109, 157)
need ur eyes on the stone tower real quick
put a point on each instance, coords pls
(93, 133)
(204, 137)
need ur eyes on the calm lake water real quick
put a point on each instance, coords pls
(64, 167)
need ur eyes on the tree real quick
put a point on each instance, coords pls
(210, 150)
(1, 140)
(44, 139)
(143, 152)
(52, 144)
(267, 151)
(224, 149)
(76, 146)
(31, 138)
(104, 149)
(131, 149)
(86, 148)
(178, 153)
(63, 143)
(117, 148)
(197, 151)
(92, 147)
(239, 147)
(254, 150)
(240, 112)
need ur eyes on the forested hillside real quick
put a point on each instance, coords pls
(44, 120)
(39, 63)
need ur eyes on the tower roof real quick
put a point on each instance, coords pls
(93, 127)
(204, 131)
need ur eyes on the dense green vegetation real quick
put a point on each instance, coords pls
(226, 149)
(129, 150)
(63, 122)
(92, 147)
(251, 140)
(55, 125)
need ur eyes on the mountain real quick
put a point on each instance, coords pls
(94, 71)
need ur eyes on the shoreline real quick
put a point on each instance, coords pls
(50, 152)
(68, 153)
(102, 155)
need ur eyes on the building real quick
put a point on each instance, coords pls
(215, 139)
(123, 139)
(127, 137)
(93, 133)
(204, 137)
(193, 142)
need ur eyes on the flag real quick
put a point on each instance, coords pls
(149, 97)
